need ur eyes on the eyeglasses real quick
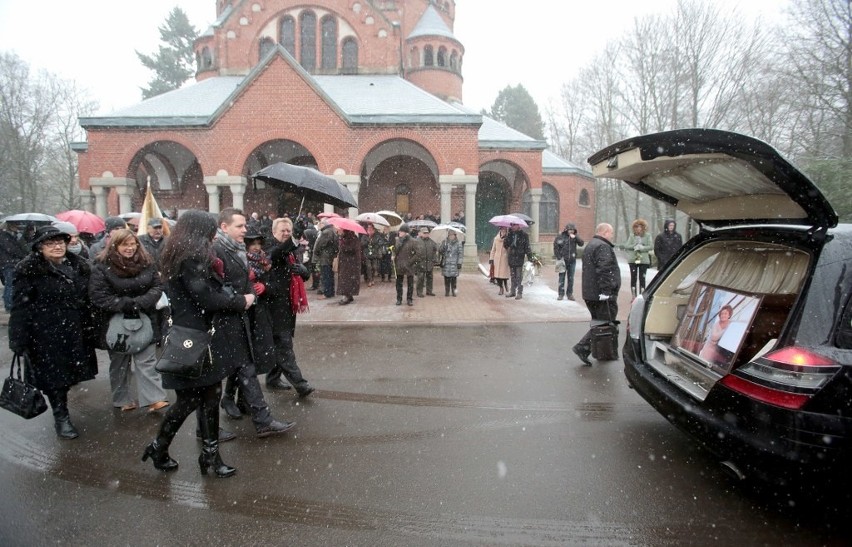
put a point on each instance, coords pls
(54, 243)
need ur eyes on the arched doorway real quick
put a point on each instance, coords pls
(174, 173)
(399, 175)
(261, 197)
(492, 198)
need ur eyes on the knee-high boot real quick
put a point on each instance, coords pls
(209, 456)
(158, 449)
(447, 286)
(229, 398)
(453, 281)
(62, 420)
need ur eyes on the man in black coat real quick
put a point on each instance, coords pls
(601, 283)
(230, 248)
(565, 249)
(280, 276)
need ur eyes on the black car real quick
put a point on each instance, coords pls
(744, 339)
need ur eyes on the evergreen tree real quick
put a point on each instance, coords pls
(174, 62)
(516, 108)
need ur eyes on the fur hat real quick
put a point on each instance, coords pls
(46, 233)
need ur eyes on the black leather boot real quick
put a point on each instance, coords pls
(453, 285)
(446, 286)
(229, 403)
(62, 421)
(210, 457)
(159, 454)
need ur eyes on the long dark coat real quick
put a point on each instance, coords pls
(408, 253)
(197, 295)
(666, 244)
(109, 291)
(233, 338)
(349, 264)
(52, 319)
(517, 243)
(601, 274)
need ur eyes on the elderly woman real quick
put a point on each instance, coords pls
(51, 322)
(125, 280)
(452, 255)
(499, 258)
(197, 292)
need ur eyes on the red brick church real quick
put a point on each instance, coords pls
(367, 91)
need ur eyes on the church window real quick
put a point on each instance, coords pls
(403, 199)
(329, 42)
(206, 58)
(308, 40)
(350, 56)
(266, 45)
(415, 57)
(442, 56)
(428, 56)
(584, 198)
(454, 61)
(548, 209)
(288, 35)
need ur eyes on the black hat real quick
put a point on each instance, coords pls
(114, 223)
(45, 233)
(251, 235)
(404, 228)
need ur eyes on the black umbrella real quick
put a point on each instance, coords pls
(306, 182)
(526, 218)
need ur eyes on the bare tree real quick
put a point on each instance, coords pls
(38, 119)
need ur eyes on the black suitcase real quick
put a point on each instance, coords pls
(605, 340)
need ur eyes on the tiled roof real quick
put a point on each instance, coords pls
(551, 164)
(431, 24)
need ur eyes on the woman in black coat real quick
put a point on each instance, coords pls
(196, 292)
(125, 279)
(51, 322)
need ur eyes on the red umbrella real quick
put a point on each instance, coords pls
(347, 224)
(84, 221)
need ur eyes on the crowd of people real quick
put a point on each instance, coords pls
(231, 275)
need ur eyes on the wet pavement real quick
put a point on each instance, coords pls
(428, 427)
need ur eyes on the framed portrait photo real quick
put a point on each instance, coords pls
(715, 325)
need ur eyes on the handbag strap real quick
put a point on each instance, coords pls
(16, 360)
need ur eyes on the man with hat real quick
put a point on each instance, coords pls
(427, 264)
(408, 253)
(111, 224)
(154, 241)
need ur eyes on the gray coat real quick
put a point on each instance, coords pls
(452, 253)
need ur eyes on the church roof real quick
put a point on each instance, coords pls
(551, 164)
(431, 24)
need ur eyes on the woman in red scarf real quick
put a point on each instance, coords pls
(285, 297)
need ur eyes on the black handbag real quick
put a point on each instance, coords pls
(184, 352)
(18, 396)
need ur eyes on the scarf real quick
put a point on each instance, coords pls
(258, 263)
(232, 246)
(123, 266)
(298, 294)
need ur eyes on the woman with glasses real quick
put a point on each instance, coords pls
(51, 322)
(125, 280)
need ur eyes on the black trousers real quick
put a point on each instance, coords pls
(245, 379)
(409, 279)
(286, 364)
(204, 400)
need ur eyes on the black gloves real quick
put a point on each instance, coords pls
(300, 270)
(130, 307)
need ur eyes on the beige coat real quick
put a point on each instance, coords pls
(500, 257)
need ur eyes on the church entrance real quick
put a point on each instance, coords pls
(492, 197)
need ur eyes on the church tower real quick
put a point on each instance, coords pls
(411, 38)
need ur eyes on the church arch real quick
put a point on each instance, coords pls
(266, 197)
(173, 171)
(548, 208)
(349, 64)
(501, 185)
(400, 175)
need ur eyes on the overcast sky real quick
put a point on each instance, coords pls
(537, 43)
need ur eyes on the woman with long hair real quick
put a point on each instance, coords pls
(197, 292)
(125, 280)
(499, 258)
(638, 247)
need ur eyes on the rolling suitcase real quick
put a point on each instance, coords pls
(605, 340)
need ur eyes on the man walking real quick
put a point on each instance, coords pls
(601, 283)
(230, 249)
